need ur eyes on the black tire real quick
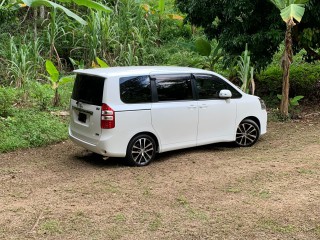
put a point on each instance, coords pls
(248, 133)
(141, 150)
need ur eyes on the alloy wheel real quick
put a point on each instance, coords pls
(247, 133)
(142, 151)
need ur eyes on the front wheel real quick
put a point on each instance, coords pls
(248, 133)
(141, 150)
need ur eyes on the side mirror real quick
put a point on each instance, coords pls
(224, 93)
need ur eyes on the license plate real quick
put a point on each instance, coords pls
(82, 117)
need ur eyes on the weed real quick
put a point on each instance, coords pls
(50, 226)
(197, 214)
(80, 214)
(305, 171)
(40, 94)
(182, 201)
(233, 190)
(192, 212)
(276, 227)
(317, 230)
(8, 171)
(156, 223)
(7, 97)
(146, 192)
(120, 217)
(263, 194)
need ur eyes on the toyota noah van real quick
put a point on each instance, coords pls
(137, 112)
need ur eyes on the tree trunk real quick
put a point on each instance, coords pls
(286, 62)
(56, 99)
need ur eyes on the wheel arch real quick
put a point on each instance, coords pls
(255, 119)
(151, 135)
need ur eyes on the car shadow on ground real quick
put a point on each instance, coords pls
(97, 160)
(93, 159)
(210, 148)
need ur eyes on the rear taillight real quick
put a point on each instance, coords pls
(107, 117)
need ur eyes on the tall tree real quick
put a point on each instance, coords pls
(290, 10)
(256, 22)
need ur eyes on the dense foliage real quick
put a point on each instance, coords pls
(256, 22)
(135, 32)
(304, 80)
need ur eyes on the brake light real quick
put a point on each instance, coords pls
(107, 117)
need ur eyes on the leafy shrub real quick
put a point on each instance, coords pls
(41, 94)
(304, 80)
(30, 128)
(7, 97)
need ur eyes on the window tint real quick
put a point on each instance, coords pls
(88, 89)
(209, 87)
(174, 87)
(135, 89)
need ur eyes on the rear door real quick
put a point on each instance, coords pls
(85, 108)
(174, 111)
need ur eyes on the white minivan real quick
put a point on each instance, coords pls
(136, 112)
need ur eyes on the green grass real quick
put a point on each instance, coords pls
(276, 227)
(50, 226)
(31, 128)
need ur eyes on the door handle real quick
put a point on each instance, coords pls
(192, 107)
(203, 106)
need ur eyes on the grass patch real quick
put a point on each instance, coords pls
(276, 227)
(305, 171)
(317, 230)
(50, 226)
(263, 194)
(156, 223)
(120, 218)
(193, 213)
(8, 171)
(233, 190)
(30, 128)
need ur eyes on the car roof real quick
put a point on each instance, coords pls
(139, 70)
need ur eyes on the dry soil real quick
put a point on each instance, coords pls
(268, 191)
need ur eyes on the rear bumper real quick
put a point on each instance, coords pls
(264, 120)
(100, 148)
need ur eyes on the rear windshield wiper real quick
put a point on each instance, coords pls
(82, 101)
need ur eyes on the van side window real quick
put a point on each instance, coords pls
(135, 89)
(208, 87)
(174, 87)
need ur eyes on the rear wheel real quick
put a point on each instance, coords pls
(248, 133)
(141, 150)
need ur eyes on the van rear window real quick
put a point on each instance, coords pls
(88, 89)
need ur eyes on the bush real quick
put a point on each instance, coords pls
(30, 128)
(304, 80)
(7, 98)
(41, 95)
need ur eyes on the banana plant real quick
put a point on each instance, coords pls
(87, 3)
(291, 12)
(100, 63)
(212, 51)
(56, 81)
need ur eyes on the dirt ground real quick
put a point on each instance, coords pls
(268, 191)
